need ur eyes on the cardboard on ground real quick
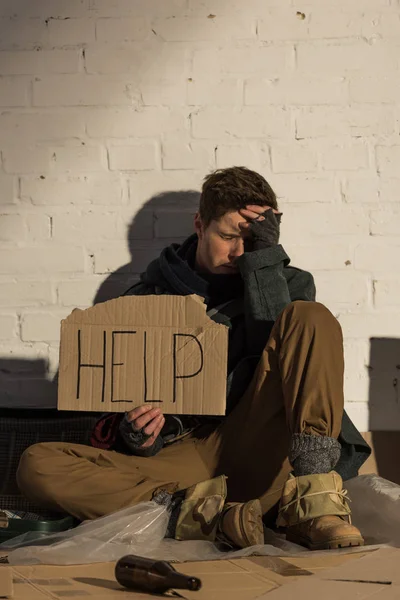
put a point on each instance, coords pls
(160, 350)
(312, 576)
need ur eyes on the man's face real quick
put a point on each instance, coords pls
(220, 244)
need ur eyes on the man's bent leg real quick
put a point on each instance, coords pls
(88, 482)
(296, 393)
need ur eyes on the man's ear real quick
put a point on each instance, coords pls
(198, 225)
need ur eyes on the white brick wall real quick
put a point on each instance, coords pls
(106, 104)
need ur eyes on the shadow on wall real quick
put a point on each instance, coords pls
(384, 405)
(165, 218)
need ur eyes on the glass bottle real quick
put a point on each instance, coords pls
(149, 575)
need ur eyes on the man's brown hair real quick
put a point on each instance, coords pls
(231, 189)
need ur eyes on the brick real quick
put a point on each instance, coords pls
(388, 159)
(250, 155)
(44, 8)
(194, 155)
(42, 326)
(149, 122)
(94, 188)
(127, 8)
(205, 92)
(26, 159)
(361, 188)
(12, 228)
(14, 91)
(78, 293)
(291, 158)
(340, 58)
(79, 158)
(42, 260)
(25, 293)
(221, 7)
(310, 257)
(8, 326)
(344, 157)
(378, 89)
(178, 183)
(325, 24)
(112, 256)
(387, 293)
(140, 226)
(122, 30)
(303, 188)
(389, 189)
(22, 33)
(360, 121)
(18, 358)
(83, 90)
(344, 289)
(169, 94)
(347, 4)
(24, 227)
(173, 224)
(199, 29)
(366, 325)
(282, 25)
(358, 412)
(78, 227)
(249, 122)
(296, 90)
(320, 220)
(356, 388)
(134, 157)
(71, 32)
(148, 61)
(26, 128)
(248, 62)
(39, 227)
(385, 222)
(8, 187)
(377, 256)
(39, 62)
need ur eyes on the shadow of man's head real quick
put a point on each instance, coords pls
(162, 220)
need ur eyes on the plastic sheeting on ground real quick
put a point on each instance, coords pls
(140, 530)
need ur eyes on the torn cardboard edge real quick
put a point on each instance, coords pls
(158, 350)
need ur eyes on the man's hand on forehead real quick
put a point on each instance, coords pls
(252, 212)
(261, 227)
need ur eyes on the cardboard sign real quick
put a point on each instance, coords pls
(160, 350)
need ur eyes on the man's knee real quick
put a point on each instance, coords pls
(311, 312)
(31, 475)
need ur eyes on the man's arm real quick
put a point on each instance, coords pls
(269, 284)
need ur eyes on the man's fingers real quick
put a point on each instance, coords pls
(144, 419)
(152, 426)
(155, 433)
(136, 412)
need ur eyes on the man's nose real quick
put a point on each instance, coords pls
(237, 249)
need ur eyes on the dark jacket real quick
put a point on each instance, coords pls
(248, 303)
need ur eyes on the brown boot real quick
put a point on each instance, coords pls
(204, 515)
(241, 524)
(325, 533)
(315, 512)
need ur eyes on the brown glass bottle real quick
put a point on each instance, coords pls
(149, 575)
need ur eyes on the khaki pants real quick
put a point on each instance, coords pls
(297, 387)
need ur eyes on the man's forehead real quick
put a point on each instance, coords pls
(232, 220)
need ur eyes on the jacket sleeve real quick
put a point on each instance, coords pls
(269, 286)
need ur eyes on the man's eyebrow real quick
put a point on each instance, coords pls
(234, 233)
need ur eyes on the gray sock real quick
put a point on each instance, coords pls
(312, 454)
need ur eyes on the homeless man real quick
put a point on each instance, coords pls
(281, 451)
